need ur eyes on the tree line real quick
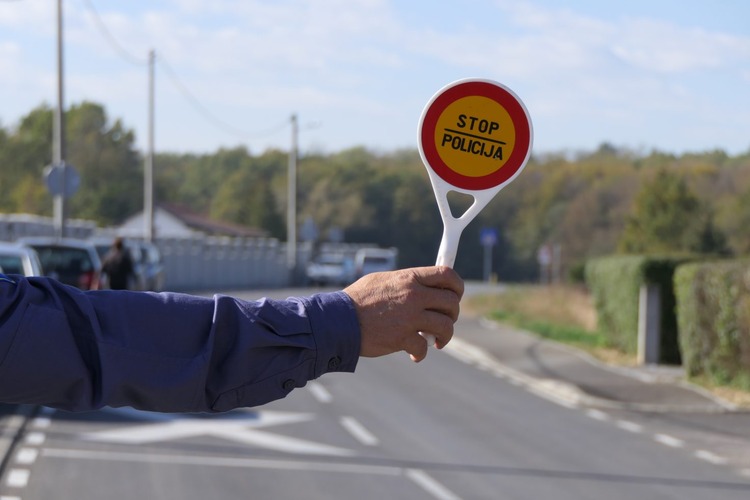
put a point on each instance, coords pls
(587, 204)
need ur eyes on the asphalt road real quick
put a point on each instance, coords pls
(441, 429)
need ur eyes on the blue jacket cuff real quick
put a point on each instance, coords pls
(333, 319)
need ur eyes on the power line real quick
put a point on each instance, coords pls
(206, 113)
(189, 96)
(121, 51)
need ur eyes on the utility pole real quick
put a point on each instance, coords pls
(148, 169)
(291, 214)
(58, 136)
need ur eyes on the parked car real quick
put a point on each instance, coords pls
(372, 260)
(147, 262)
(19, 259)
(331, 269)
(70, 261)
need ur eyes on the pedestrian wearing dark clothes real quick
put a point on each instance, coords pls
(118, 266)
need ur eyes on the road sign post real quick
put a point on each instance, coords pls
(488, 239)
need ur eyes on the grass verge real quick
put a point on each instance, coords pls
(560, 313)
(566, 314)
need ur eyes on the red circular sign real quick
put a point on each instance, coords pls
(475, 134)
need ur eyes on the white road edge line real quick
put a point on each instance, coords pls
(710, 457)
(670, 441)
(27, 456)
(629, 426)
(41, 422)
(204, 461)
(359, 431)
(9, 498)
(319, 392)
(597, 415)
(35, 438)
(427, 483)
(18, 478)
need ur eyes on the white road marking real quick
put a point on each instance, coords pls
(27, 456)
(562, 394)
(232, 429)
(670, 441)
(41, 422)
(35, 438)
(319, 392)
(629, 426)
(359, 431)
(710, 457)
(427, 483)
(9, 498)
(208, 461)
(18, 478)
(597, 415)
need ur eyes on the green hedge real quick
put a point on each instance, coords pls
(713, 312)
(615, 284)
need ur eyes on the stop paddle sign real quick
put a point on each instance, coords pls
(475, 137)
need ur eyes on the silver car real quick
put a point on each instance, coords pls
(70, 261)
(19, 259)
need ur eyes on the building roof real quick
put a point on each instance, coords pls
(178, 221)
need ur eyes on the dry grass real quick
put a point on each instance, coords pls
(564, 305)
(555, 304)
(561, 313)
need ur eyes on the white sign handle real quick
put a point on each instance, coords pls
(452, 226)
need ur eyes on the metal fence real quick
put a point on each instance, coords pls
(223, 263)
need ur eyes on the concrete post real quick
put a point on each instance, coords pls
(649, 324)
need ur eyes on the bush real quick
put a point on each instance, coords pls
(615, 284)
(713, 313)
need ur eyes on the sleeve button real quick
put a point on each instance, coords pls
(334, 363)
(289, 385)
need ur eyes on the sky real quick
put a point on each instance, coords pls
(667, 75)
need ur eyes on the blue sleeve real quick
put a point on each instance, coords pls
(69, 349)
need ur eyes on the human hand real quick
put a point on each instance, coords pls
(393, 307)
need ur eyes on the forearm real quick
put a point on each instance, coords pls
(165, 352)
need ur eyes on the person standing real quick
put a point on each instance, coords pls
(118, 265)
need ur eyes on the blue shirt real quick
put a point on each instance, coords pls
(66, 348)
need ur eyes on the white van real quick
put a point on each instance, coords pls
(373, 260)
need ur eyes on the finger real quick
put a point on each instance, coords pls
(440, 277)
(416, 347)
(439, 326)
(444, 302)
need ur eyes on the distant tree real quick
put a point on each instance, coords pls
(246, 198)
(110, 168)
(669, 217)
(24, 153)
(739, 223)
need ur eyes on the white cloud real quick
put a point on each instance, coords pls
(327, 59)
(665, 48)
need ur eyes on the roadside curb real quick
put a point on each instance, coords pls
(570, 395)
(651, 375)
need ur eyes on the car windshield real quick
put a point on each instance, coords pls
(331, 259)
(64, 259)
(11, 264)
